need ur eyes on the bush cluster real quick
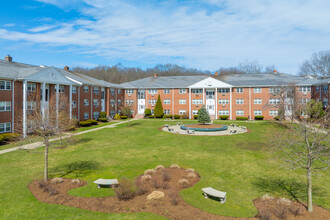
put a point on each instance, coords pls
(168, 116)
(117, 117)
(10, 136)
(103, 119)
(93, 122)
(85, 123)
(147, 112)
(126, 190)
(224, 117)
(151, 116)
(195, 116)
(123, 117)
(103, 115)
(184, 116)
(259, 117)
(242, 118)
(1, 138)
(177, 116)
(277, 118)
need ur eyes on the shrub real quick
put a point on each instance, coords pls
(147, 112)
(241, 118)
(156, 184)
(177, 116)
(56, 180)
(151, 116)
(184, 183)
(295, 210)
(142, 189)
(85, 123)
(123, 117)
(174, 166)
(93, 122)
(159, 167)
(203, 116)
(1, 138)
(149, 172)
(103, 119)
(117, 117)
(224, 117)
(264, 215)
(10, 136)
(173, 198)
(146, 178)
(185, 116)
(75, 181)
(259, 117)
(159, 111)
(166, 177)
(190, 170)
(125, 190)
(277, 118)
(52, 191)
(103, 115)
(195, 116)
(192, 175)
(168, 116)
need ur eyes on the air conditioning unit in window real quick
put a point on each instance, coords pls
(129, 95)
(152, 95)
(305, 93)
(152, 105)
(223, 105)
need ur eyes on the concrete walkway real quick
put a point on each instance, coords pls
(40, 144)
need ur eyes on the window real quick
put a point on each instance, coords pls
(5, 106)
(74, 89)
(239, 90)
(182, 101)
(223, 112)
(197, 101)
(274, 90)
(257, 112)
(112, 91)
(119, 111)
(166, 91)
(96, 115)
(182, 112)
(152, 111)
(317, 88)
(5, 127)
(195, 112)
(197, 91)
(182, 91)
(129, 91)
(86, 102)
(96, 90)
(74, 116)
(304, 101)
(152, 91)
(273, 112)
(274, 101)
(239, 112)
(32, 87)
(5, 85)
(112, 112)
(86, 115)
(112, 101)
(61, 88)
(132, 112)
(86, 88)
(257, 101)
(119, 102)
(129, 102)
(74, 104)
(96, 102)
(223, 101)
(223, 90)
(152, 101)
(167, 101)
(325, 89)
(31, 105)
(257, 90)
(239, 101)
(166, 112)
(119, 91)
(304, 89)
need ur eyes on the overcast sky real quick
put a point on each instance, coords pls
(205, 34)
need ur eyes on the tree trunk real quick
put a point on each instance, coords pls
(46, 160)
(309, 191)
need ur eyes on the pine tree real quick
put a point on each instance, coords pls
(203, 116)
(158, 111)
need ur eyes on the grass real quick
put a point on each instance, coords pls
(243, 165)
(101, 124)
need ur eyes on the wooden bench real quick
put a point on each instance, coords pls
(209, 191)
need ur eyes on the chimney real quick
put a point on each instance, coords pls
(216, 74)
(8, 58)
(66, 68)
(275, 72)
(155, 75)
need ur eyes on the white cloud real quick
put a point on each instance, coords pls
(9, 25)
(41, 28)
(272, 32)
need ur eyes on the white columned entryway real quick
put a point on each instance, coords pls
(216, 103)
(231, 103)
(250, 116)
(24, 107)
(172, 103)
(189, 103)
(43, 99)
(70, 101)
(57, 100)
(203, 96)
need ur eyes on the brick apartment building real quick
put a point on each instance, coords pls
(22, 86)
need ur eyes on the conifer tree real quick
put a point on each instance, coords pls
(203, 116)
(158, 111)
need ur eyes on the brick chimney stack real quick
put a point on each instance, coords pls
(66, 68)
(8, 58)
(275, 72)
(155, 75)
(216, 74)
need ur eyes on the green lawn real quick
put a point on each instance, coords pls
(243, 165)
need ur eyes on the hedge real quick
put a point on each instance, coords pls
(259, 117)
(224, 117)
(93, 122)
(103, 115)
(242, 118)
(85, 123)
(185, 116)
(168, 116)
(277, 118)
(1, 138)
(177, 116)
(195, 116)
(151, 116)
(123, 117)
(10, 136)
(103, 119)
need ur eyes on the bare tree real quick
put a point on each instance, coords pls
(317, 65)
(250, 67)
(305, 146)
(127, 111)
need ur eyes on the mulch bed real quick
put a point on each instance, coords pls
(171, 206)
(203, 126)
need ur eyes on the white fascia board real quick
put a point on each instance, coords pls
(210, 83)
(75, 81)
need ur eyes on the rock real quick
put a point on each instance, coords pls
(155, 195)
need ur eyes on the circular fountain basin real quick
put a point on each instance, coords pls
(204, 128)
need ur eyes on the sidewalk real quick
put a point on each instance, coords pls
(40, 144)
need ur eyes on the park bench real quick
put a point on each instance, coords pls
(106, 182)
(209, 191)
(190, 132)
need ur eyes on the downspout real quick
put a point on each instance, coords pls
(13, 107)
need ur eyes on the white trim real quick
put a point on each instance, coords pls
(24, 107)
(73, 80)
(172, 103)
(189, 90)
(13, 107)
(203, 96)
(70, 94)
(216, 103)
(91, 89)
(210, 82)
(231, 104)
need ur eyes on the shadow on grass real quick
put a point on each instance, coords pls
(289, 188)
(77, 168)
(133, 123)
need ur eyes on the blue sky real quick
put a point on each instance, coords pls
(204, 34)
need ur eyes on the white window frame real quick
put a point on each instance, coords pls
(96, 102)
(257, 112)
(5, 85)
(223, 112)
(223, 101)
(197, 91)
(74, 104)
(6, 105)
(274, 101)
(273, 112)
(167, 111)
(96, 90)
(86, 88)
(152, 101)
(86, 115)
(197, 101)
(31, 87)
(31, 105)
(257, 90)
(239, 90)
(239, 101)
(167, 91)
(182, 112)
(182, 102)
(129, 91)
(96, 115)
(74, 89)
(182, 91)
(152, 91)
(167, 101)
(119, 91)
(86, 102)
(304, 88)
(257, 101)
(5, 127)
(239, 112)
(195, 112)
(119, 101)
(112, 102)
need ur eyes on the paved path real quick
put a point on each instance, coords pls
(40, 144)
